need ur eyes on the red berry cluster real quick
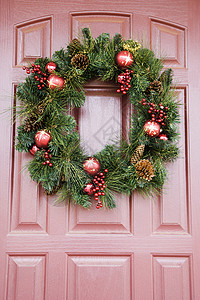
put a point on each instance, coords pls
(47, 157)
(158, 112)
(40, 77)
(99, 186)
(124, 79)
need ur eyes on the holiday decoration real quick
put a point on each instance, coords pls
(80, 61)
(33, 149)
(137, 154)
(89, 189)
(144, 169)
(55, 82)
(42, 139)
(124, 79)
(163, 137)
(124, 59)
(59, 162)
(50, 67)
(152, 128)
(131, 46)
(39, 77)
(91, 166)
(75, 46)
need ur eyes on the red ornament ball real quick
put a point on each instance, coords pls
(42, 139)
(163, 137)
(55, 81)
(152, 128)
(50, 67)
(92, 166)
(124, 59)
(33, 149)
(89, 189)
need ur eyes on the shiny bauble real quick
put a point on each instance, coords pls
(54, 81)
(124, 59)
(92, 166)
(42, 138)
(89, 189)
(50, 67)
(163, 137)
(152, 128)
(33, 149)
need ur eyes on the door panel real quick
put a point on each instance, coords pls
(145, 249)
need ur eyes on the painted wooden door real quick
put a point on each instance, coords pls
(142, 250)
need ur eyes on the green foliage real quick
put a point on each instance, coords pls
(51, 109)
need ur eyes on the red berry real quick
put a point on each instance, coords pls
(101, 174)
(144, 103)
(166, 107)
(103, 181)
(129, 86)
(99, 193)
(96, 194)
(106, 171)
(44, 163)
(102, 190)
(24, 68)
(36, 77)
(32, 71)
(97, 188)
(41, 80)
(165, 117)
(101, 205)
(45, 74)
(45, 78)
(103, 194)
(50, 165)
(118, 91)
(38, 85)
(126, 88)
(42, 85)
(28, 72)
(96, 198)
(48, 150)
(143, 100)
(104, 186)
(132, 71)
(97, 206)
(46, 156)
(50, 156)
(100, 184)
(48, 161)
(33, 65)
(40, 88)
(124, 92)
(153, 119)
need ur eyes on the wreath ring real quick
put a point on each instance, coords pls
(48, 131)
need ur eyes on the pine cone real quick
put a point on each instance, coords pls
(145, 169)
(31, 124)
(137, 154)
(156, 85)
(75, 46)
(80, 61)
(54, 190)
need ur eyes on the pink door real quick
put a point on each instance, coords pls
(143, 249)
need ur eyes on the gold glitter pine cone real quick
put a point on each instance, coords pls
(145, 170)
(75, 46)
(137, 154)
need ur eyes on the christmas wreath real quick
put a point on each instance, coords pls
(48, 131)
